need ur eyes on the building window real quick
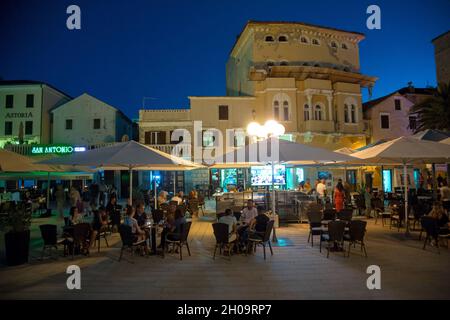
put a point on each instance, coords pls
(316, 42)
(412, 123)
(30, 100)
(282, 39)
(353, 114)
(398, 104)
(318, 113)
(284, 63)
(346, 117)
(270, 63)
(304, 40)
(69, 124)
(155, 137)
(276, 110)
(9, 103)
(8, 128)
(306, 112)
(208, 138)
(333, 44)
(28, 127)
(96, 123)
(384, 120)
(286, 111)
(223, 112)
(269, 39)
(344, 46)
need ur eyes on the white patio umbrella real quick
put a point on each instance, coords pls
(404, 151)
(14, 162)
(129, 155)
(286, 152)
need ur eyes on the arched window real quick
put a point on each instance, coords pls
(276, 110)
(353, 114)
(350, 110)
(284, 63)
(333, 44)
(286, 110)
(306, 112)
(304, 39)
(269, 39)
(318, 113)
(282, 39)
(344, 46)
(270, 63)
(316, 42)
(346, 117)
(281, 107)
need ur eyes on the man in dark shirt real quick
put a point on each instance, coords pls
(259, 224)
(140, 215)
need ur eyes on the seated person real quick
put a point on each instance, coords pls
(138, 233)
(173, 228)
(230, 220)
(248, 213)
(178, 197)
(75, 216)
(258, 225)
(99, 222)
(141, 216)
(441, 216)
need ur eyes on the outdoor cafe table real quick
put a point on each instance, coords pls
(153, 228)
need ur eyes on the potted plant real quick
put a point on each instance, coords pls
(16, 225)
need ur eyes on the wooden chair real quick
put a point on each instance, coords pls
(263, 239)
(179, 239)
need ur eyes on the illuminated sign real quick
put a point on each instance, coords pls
(55, 149)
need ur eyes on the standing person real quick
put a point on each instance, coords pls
(307, 186)
(74, 196)
(60, 200)
(321, 190)
(102, 193)
(94, 195)
(339, 196)
(368, 201)
(99, 222)
(86, 197)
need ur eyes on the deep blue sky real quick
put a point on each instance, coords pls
(167, 50)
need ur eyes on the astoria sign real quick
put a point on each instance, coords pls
(19, 115)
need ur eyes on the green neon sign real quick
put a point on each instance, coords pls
(52, 149)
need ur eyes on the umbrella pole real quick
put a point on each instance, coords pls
(174, 183)
(405, 183)
(154, 192)
(131, 186)
(48, 189)
(274, 235)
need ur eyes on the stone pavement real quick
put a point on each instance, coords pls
(295, 271)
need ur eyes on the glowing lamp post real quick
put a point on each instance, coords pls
(270, 129)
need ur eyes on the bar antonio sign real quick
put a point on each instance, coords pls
(55, 149)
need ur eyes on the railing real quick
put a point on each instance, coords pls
(168, 148)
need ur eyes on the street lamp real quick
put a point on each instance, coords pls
(270, 129)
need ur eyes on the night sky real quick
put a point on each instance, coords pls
(168, 50)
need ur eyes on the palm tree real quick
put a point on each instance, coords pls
(434, 112)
